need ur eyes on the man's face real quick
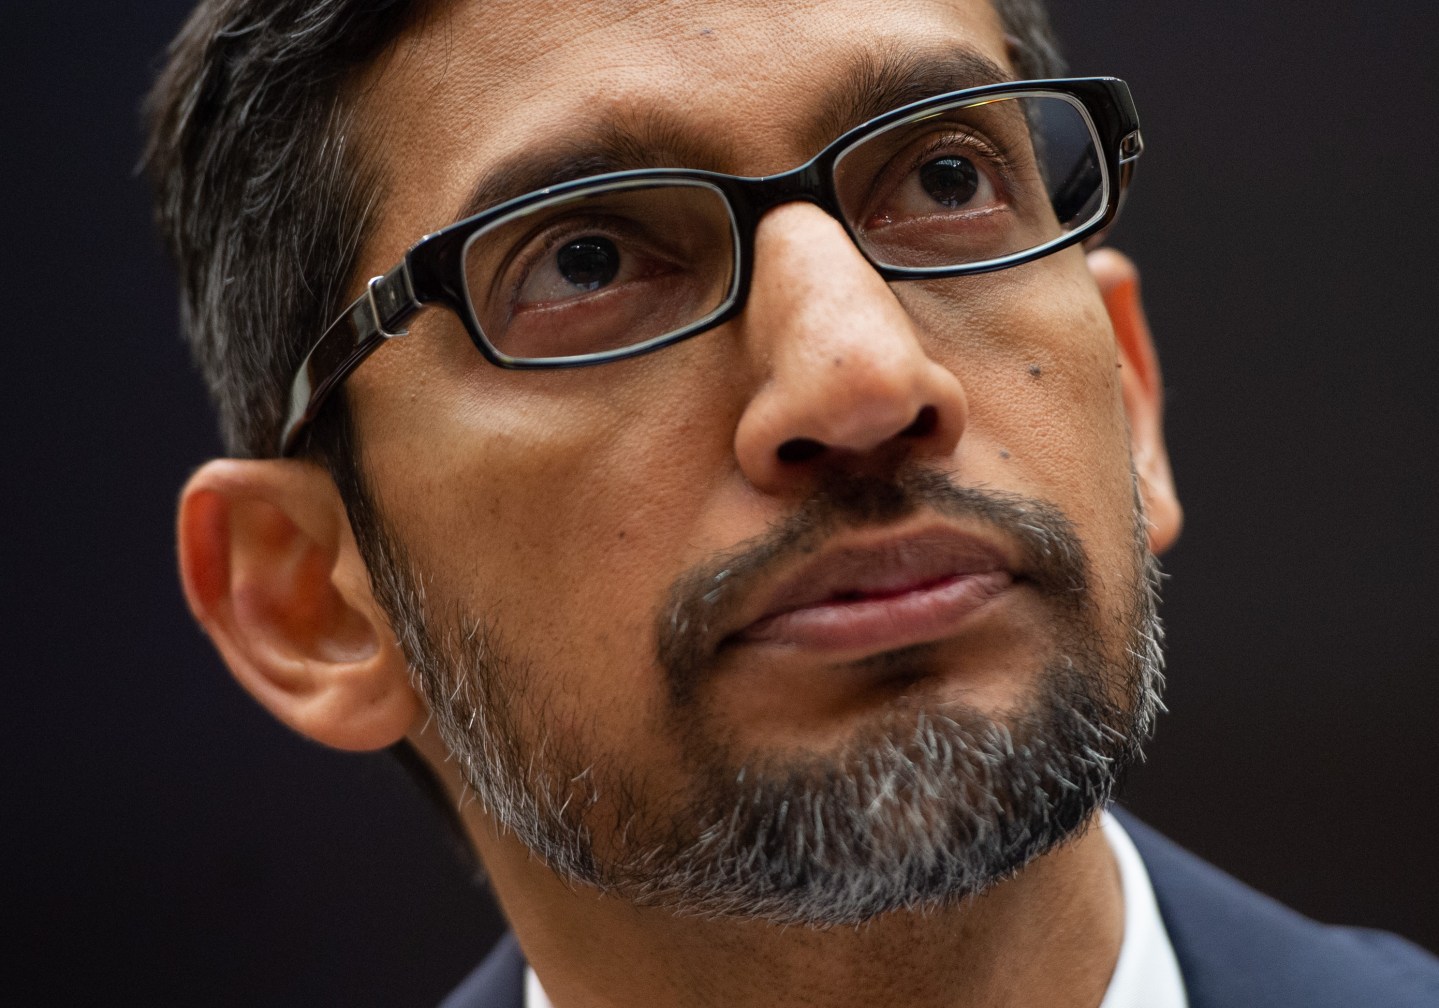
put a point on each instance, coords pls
(857, 511)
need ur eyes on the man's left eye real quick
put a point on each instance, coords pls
(950, 181)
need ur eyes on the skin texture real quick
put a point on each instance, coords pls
(561, 507)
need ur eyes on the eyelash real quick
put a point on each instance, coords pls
(540, 243)
(1001, 164)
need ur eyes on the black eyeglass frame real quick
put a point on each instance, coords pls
(432, 271)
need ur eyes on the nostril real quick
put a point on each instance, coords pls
(924, 424)
(799, 450)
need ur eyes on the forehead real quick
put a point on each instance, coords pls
(743, 87)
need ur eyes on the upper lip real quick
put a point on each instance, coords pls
(889, 562)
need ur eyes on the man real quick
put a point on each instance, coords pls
(756, 537)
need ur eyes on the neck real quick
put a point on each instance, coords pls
(1050, 935)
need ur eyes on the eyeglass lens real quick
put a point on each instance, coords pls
(972, 183)
(602, 270)
(613, 268)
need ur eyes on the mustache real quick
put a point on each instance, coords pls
(705, 602)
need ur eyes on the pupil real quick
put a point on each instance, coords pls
(588, 263)
(951, 181)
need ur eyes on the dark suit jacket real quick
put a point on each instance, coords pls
(1236, 948)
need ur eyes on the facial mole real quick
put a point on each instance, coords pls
(707, 31)
(1035, 370)
(1004, 454)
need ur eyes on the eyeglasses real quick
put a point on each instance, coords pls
(617, 265)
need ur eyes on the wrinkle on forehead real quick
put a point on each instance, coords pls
(475, 81)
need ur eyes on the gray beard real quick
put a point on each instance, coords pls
(928, 804)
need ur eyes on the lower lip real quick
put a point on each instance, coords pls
(876, 623)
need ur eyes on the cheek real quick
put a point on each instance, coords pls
(1036, 352)
(559, 506)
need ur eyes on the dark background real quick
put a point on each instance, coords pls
(166, 843)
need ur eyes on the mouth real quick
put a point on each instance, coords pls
(865, 597)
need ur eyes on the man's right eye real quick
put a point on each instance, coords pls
(580, 265)
(589, 262)
(571, 261)
(584, 287)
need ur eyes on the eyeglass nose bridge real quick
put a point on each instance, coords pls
(808, 183)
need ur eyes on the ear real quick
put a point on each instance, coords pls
(1143, 391)
(271, 570)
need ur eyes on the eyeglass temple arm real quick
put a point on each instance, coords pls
(1131, 145)
(372, 319)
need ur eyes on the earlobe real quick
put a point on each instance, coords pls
(1143, 391)
(271, 571)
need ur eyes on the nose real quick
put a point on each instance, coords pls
(844, 373)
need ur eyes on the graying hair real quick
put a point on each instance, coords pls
(262, 189)
(935, 804)
(265, 191)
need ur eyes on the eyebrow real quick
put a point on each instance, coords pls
(874, 83)
(877, 83)
(598, 148)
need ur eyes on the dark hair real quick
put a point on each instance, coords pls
(264, 189)
(264, 192)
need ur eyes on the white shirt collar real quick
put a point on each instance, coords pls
(1147, 972)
